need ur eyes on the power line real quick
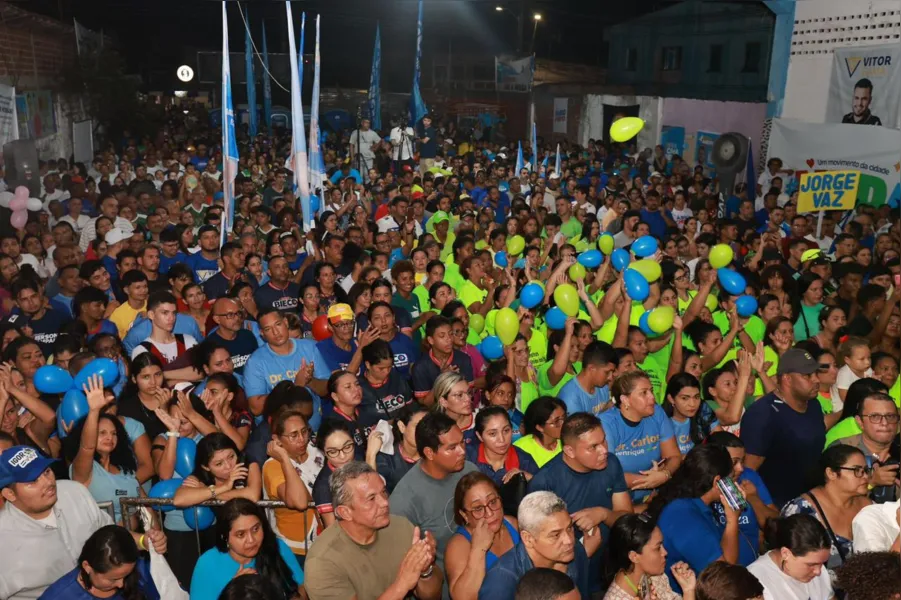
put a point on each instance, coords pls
(254, 46)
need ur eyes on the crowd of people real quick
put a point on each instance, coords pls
(747, 448)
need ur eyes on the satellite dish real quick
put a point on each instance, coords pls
(729, 156)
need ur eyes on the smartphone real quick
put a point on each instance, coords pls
(732, 493)
(241, 483)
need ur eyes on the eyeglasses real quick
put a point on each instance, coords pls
(555, 422)
(228, 315)
(876, 418)
(858, 470)
(335, 452)
(299, 434)
(479, 511)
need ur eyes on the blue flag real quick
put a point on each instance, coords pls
(267, 88)
(417, 105)
(544, 164)
(298, 159)
(317, 164)
(229, 143)
(375, 77)
(248, 75)
(303, 27)
(557, 162)
(519, 161)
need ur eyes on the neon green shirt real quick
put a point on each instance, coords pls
(657, 374)
(469, 293)
(544, 383)
(538, 452)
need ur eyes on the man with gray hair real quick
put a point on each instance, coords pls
(547, 541)
(370, 554)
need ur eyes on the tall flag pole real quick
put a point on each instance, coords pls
(417, 105)
(248, 75)
(557, 162)
(375, 76)
(519, 161)
(229, 143)
(303, 28)
(298, 160)
(267, 88)
(534, 142)
(317, 164)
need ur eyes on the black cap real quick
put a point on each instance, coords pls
(796, 360)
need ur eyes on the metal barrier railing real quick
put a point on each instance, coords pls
(130, 504)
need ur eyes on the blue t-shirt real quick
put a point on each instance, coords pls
(215, 569)
(142, 328)
(637, 447)
(240, 348)
(405, 354)
(578, 400)
(48, 328)
(166, 262)
(789, 441)
(265, 368)
(60, 301)
(583, 490)
(269, 296)
(336, 359)
(656, 222)
(691, 534)
(682, 430)
(68, 588)
(748, 526)
(203, 268)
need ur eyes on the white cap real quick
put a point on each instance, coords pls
(554, 175)
(115, 235)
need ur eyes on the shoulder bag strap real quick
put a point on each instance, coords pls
(831, 533)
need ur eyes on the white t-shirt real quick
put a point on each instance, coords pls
(846, 377)
(169, 351)
(681, 216)
(779, 586)
(402, 147)
(363, 141)
(875, 527)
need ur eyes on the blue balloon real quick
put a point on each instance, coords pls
(104, 367)
(531, 295)
(636, 285)
(492, 348)
(199, 517)
(314, 205)
(165, 489)
(555, 318)
(644, 246)
(731, 281)
(501, 259)
(590, 258)
(185, 454)
(51, 379)
(643, 323)
(620, 259)
(746, 306)
(74, 407)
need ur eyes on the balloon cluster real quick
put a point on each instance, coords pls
(196, 517)
(51, 379)
(20, 204)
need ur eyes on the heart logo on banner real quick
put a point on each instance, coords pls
(811, 162)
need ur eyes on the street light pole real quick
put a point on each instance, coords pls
(519, 22)
(536, 18)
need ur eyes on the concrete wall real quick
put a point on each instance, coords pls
(820, 27)
(715, 117)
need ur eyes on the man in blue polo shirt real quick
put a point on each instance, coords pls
(284, 359)
(588, 478)
(548, 541)
(656, 216)
(588, 391)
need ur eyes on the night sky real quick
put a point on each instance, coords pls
(158, 35)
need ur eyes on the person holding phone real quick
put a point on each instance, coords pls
(219, 474)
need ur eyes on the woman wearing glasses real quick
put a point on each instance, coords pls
(452, 397)
(542, 426)
(335, 440)
(838, 499)
(483, 535)
(289, 475)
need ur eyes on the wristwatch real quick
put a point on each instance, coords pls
(172, 434)
(212, 492)
(428, 572)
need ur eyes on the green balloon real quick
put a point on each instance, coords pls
(661, 319)
(577, 272)
(606, 243)
(515, 245)
(649, 269)
(477, 323)
(567, 299)
(506, 324)
(720, 256)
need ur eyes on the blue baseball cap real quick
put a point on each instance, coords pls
(22, 464)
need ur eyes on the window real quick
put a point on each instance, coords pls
(752, 58)
(716, 59)
(631, 59)
(672, 58)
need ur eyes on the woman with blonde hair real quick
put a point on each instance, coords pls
(453, 398)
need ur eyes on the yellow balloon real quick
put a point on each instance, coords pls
(477, 323)
(567, 299)
(515, 245)
(711, 303)
(720, 256)
(506, 325)
(625, 129)
(576, 272)
(650, 269)
(605, 244)
(661, 319)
